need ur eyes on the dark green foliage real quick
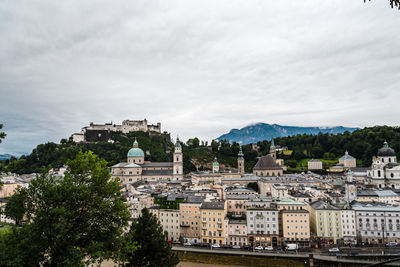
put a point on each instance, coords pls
(153, 249)
(70, 221)
(168, 204)
(16, 207)
(2, 134)
(362, 144)
(393, 3)
(253, 186)
(57, 155)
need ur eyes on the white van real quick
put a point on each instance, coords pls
(291, 246)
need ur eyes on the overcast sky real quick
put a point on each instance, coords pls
(200, 68)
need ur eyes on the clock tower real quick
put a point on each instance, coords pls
(351, 189)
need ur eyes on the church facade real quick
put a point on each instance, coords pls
(137, 169)
(385, 171)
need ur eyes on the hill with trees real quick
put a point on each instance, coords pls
(361, 144)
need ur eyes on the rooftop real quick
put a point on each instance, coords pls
(214, 205)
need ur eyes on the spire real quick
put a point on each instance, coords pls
(272, 142)
(240, 155)
(135, 143)
(346, 153)
(178, 143)
(385, 144)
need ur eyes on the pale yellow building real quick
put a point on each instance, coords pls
(326, 222)
(296, 227)
(213, 219)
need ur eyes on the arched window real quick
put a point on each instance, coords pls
(392, 175)
(379, 173)
(390, 160)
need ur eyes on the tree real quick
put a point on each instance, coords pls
(16, 208)
(253, 186)
(2, 134)
(74, 221)
(393, 3)
(153, 249)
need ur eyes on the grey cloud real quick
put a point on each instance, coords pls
(199, 67)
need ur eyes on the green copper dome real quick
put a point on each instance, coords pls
(135, 151)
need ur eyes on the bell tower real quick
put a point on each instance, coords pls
(351, 189)
(178, 161)
(272, 149)
(240, 161)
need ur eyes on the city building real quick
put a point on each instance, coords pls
(236, 229)
(314, 164)
(191, 219)
(296, 227)
(102, 132)
(170, 222)
(212, 219)
(377, 223)
(326, 222)
(348, 161)
(385, 171)
(137, 169)
(262, 222)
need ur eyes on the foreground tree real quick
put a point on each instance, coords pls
(153, 249)
(393, 3)
(72, 221)
(16, 208)
(2, 134)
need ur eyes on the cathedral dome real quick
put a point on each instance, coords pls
(386, 151)
(135, 151)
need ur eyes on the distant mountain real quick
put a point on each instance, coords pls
(263, 131)
(5, 156)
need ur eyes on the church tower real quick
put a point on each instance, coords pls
(178, 161)
(272, 149)
(215, 165)
(240, 162)
(351, 189)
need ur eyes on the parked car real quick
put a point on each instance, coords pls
(259, 248)
(215, 245)
(236, 246)
(187, 244)
(334, 250)
(391, 244)
(269, 248)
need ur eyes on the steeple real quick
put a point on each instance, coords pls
(272, 142)
(240, 155)
(135, 144)
(240, 161)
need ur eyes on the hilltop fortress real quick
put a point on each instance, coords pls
(102, 132)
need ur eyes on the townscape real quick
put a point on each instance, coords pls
(266, 209)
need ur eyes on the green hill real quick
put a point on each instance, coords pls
(361, 144)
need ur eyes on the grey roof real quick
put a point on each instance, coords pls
(386, 151)
(215, 205)
(346, 156)
(237, 221)
(322, 205)
(156, 172)
(314, 160)
(194, 199)
(238, 197)
(386, 193)
(231, 190)
(266, 163)
(373, 206)
(367, 193)
(299, 194)
(157, 164)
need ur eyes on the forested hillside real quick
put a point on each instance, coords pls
(362, 144)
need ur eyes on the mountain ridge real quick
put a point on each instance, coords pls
(263, 131)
